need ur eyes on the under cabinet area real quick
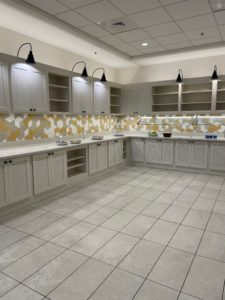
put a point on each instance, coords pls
(76, 162)
(97, 157)
(115, 153)
(159, 151)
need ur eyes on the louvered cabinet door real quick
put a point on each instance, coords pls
(20, 179)
(153, 151)
(58, 169)
(183, 154)
(217, 158)
(3, 184)
(41, 173)
(137, 146)
(167, 152)
(92, 158)
(118, 152)
(101, 156)
(199, 155)
(111, 153)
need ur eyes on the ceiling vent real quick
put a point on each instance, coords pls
(217, 5)
(118, 25)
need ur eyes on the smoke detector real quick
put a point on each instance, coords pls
(217, 5)
(119, 25)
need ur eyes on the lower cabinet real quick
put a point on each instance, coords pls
(159, 151)
(49, 171)
(97, 157)
(217, 158)
(115, 152)
(15, 180)
(137, 150)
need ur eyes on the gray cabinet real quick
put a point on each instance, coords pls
(115, 152)
(29, 89)
(183, 154)
(4, 88)
(100, 98)
(137, 150)
(217, 157)
(97, 157)
(159, 151)
(81, 96)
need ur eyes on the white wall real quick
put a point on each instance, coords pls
(47, 54)
(199, 67)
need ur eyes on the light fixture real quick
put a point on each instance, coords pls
(30, 58)
(84, 72)
(214, 74)
(180, 76)
(144, 44)
(217, 5)
(103, 79)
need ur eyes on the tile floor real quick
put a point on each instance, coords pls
(142, 234)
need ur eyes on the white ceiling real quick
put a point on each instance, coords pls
(166, 25)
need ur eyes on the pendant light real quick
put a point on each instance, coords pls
(214, 74)
(84, 72)
(103, 79)
(30, 58)
(180, 76)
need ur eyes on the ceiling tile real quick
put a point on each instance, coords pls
(150, 50)
(50, 6)
(133, 35)
(138, 45)
(130, 7)
(220, 17)
(151, 17)
(72, 18)
(215, 39)
(188, 8)
(197, 22)
(124, 47)
(208, 32)
(167, 2)
(76, 3)
(162, 29)
(222, 29)
(94, 30)
(111, 40)
(99, 12)
(178, 45)
(133, 52)
(172, 39)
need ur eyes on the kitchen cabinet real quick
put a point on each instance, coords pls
(29, 89)
(115, 152)
(100, 98)
(159, 151)
(217, 157)
(4, 88)
(183, 154)
(15, 180)
(81, 96)
(49, 171)
(97, 157)
(137, 150)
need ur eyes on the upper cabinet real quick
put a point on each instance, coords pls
(100, 98)
(29, 89)
(115, 100)
(4, 88)
(220, 96)
(81, 96)
(165, 98)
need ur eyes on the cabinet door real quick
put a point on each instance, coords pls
(58, 169)
(217, 159)
(101, 98)
(41, 173)
(129, 101)
(167, 152)
(77, 95)
(3, 183)
(118, 152)
(137, 149)
(20, 179)
(183, 154)
(21, 92)
(4, 98)
(87, 98)
(144, 101)
(111, 153)
(199, 155)
(101, 156)
(38, 88)
(92, 157)
(153, 151)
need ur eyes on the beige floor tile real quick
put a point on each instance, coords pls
(155, 209)
(119, 220)
(21, 292)
(186, 297)
(175, 214)
(101, 215)
(139, 226)
(217, 223)
(121, 201)
(136, 206)
(10, 238)
(196, 218)
(219, 208)
(204, 204)
(167, 197)
(6, 284)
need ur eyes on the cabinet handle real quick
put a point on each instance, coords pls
(116, 141)
(53, 153)
(49, 154)
(10, 161)
(83, 111)
(98, 144)
(31, 109)
(102, 112)
(5, 162)
(34, 109)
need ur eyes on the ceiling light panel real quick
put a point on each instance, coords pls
(130, 7)
(220, 17)
(217, 5)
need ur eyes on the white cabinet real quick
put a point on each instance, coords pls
(29, 89)
(49, 171)
(137, 150)
(183, 154)
(217, 158)
(81, 96)
(97, 157)
(15, 180)
(100, 98)
(159, 151)
(4, 88)
(115, 152)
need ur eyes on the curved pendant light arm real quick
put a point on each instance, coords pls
(97, 70)
(79, 62)
(22, 47)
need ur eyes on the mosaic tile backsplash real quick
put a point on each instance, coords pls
(31, 127)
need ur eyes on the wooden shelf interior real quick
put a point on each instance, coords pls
(220, 96)
(165, 98)
(59, 93)
(115, 100)
(76, 162)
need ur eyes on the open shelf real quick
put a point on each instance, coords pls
(115, 100)
(76, 162)
(165, 98)
(201, 87)
(220, 96)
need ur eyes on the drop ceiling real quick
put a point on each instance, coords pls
(165, 25)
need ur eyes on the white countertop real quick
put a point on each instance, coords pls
(15, 150)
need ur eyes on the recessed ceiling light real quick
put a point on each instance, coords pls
(217, 5)
(144, 44)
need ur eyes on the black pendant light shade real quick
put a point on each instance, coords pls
(214, 74)
(103, 79)
(84, 72)
(180, 76)
(30, 58)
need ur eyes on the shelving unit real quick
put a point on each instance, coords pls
(220, 96)
(115, 100)
(124, 149)
(59, 94)
(76, 162)
(165, 98)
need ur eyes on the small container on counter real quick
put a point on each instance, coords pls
(211, 136)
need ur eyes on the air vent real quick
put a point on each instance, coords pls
(217, 5)
(119, 25)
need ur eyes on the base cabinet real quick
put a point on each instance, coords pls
(115, 153)
(159, 152)
(137, 150)
(49, 171)
(97, 157)
(217, 157)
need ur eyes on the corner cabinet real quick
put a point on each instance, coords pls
(97, 157)
(4, 88)
(81, 96)
(15, 180)
(100, 98)
(29, 89)
(49, 171)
